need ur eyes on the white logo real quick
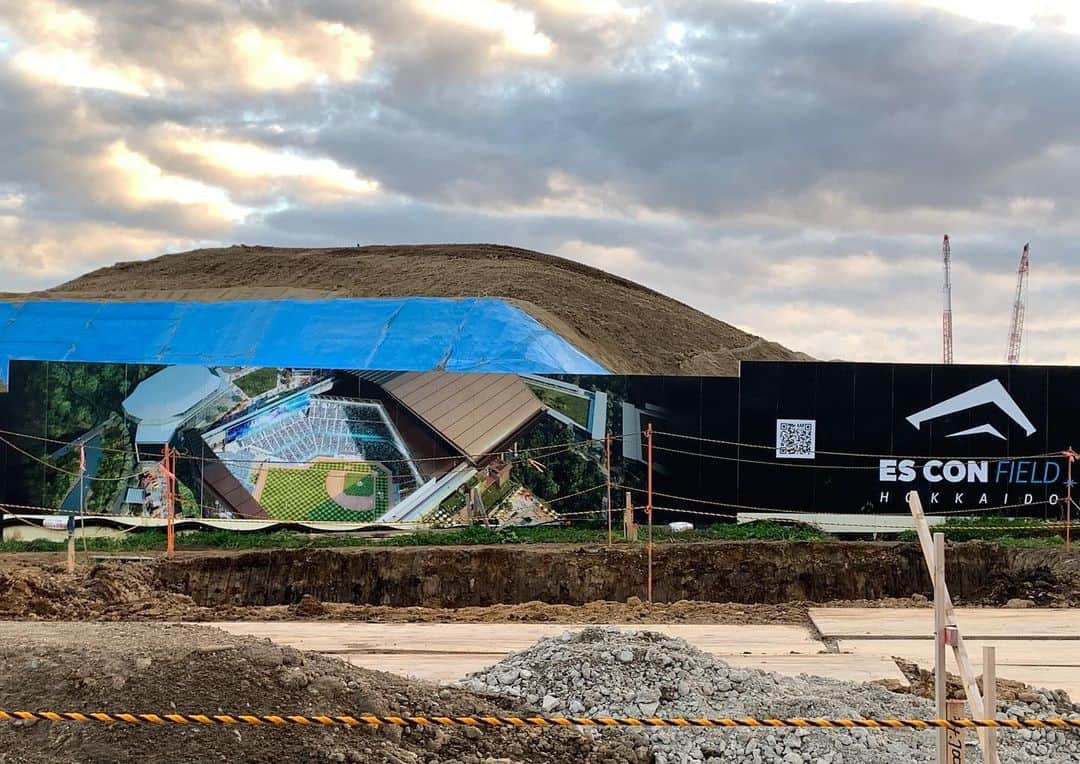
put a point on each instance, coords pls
(991, 392)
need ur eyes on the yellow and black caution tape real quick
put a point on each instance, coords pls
(367, 720)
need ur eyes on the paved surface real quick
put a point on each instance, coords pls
(1040, 647)
(502, 638)
(1036, 646)
(987, 623)
(444, 651)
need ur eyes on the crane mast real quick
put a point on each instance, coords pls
(1016, 332)
(946, 314)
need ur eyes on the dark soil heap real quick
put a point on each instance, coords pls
(144, 668)
(625, 326)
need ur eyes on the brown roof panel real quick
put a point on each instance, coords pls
(476, 413)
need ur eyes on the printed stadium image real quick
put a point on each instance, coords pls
(311, 445)
(312, 456)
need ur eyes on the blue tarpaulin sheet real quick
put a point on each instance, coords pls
(407, 334)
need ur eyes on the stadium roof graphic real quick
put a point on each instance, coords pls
(474, 412)
(407, 334)
(161, 402)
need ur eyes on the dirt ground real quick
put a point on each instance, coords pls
(37, 587)
(159, 668)
(40, 590)
(629, 328)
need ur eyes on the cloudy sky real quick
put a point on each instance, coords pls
(789, 168)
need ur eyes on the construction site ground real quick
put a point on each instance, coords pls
(304, 631)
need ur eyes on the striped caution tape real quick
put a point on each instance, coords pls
(366, 720)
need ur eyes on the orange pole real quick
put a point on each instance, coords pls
(648, 505)
(607, 470)
(170, 532)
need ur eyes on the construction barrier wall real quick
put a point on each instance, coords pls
(316, 445)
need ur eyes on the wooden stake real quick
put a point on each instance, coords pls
(963, 662)
(649, 506)
(71, 544)
(629, 526)
(954, 749)
(989, 688)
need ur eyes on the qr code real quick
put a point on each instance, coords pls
(795, 438)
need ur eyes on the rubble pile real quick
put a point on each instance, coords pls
(608, 672)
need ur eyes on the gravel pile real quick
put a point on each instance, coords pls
(605, 671)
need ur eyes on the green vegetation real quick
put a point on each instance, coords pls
(565, 471)
(300, 494)
(75, 396)
(496, 494)
(188, 504)
(1018, 531)
(114, 470)
(453, 503)
(50, 482)
(573, 406)
(460, 537)
(257, 382)
(551, 534)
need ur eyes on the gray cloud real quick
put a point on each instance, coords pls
(789, 168)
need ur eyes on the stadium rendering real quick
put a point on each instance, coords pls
(309, 456)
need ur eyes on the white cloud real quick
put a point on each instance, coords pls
(63, 50)
(138, 182)
(313, 179)
(287, 59)
(63, 45)
(516, 26)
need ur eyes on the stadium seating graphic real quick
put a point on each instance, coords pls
(327, 428)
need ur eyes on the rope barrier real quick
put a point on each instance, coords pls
(743, 460)
(774, 510)
(852, 454)
(565, 445)
(370, 720)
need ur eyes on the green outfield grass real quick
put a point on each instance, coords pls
(300, 494)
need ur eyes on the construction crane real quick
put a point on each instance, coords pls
(946, 314)
(1016, 333)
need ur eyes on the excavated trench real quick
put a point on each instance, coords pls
(757, 572)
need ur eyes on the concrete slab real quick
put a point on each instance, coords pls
(426, 666)
(1041, 663)
(501, 638)
(1010, 652)
(986, 623)
(447, 651)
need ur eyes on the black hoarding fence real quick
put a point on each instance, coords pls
(677, 503)
(830, 438)
(967, 438)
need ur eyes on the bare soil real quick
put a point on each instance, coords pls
(159, 668)
(130, 591)
(625, 326)
(35, 586)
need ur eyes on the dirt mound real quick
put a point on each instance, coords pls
(161, 668)
(29, 591)
(625, 326)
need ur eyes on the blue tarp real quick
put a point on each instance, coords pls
(408, 334)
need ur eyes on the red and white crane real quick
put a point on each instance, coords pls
(946, 314)
(1016, 332)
